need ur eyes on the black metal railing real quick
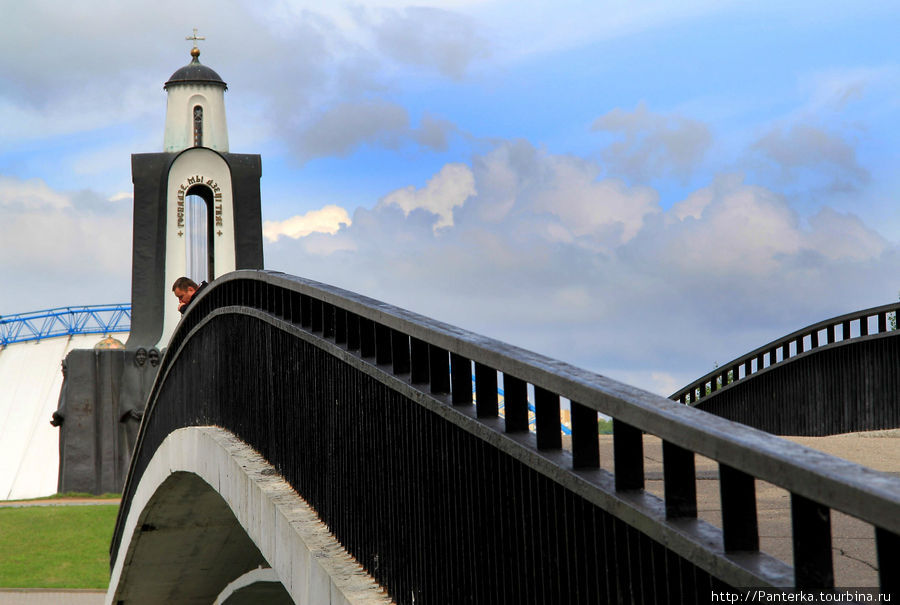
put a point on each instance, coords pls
(368, 411)
(832, 377)
(876, 320)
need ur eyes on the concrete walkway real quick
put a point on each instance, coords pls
(59, 502)
(853, 541)
(39, 596)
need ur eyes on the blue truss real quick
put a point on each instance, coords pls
(64, 321)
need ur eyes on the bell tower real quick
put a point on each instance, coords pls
(196, 204)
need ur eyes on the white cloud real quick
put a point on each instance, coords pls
(30, 195)
(652, 145)
(430, 37)
(328, 219)
(803, 146)
(64, 248)
(448, 189)
(603, 277)
(342, 128)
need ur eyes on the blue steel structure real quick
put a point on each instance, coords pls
(65, 321)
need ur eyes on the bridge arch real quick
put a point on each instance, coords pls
(389, 424)
(210, 510)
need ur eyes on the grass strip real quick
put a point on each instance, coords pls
(56, 546)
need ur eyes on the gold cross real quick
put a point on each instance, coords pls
(195, 37)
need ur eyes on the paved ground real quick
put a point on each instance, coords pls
(26, 596)
(58, 502)
(853, 541)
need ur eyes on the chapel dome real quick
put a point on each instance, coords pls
(195, 73)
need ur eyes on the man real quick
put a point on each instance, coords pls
(185, 289)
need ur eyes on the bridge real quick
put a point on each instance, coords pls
(314, 445)
(835, 376)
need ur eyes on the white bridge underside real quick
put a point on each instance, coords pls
(208, 510)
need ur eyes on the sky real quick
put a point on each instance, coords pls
(642, 189)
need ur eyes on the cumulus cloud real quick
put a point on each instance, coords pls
(546, 253)
(328, 219)
(68, 247)
(448, 189)
(805, 147)
(430, 37)
(652, 145)
(30, 195)
(341, 129)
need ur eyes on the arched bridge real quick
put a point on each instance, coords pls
(279, 396)
(836, 376)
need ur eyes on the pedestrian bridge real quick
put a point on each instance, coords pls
(316, 446)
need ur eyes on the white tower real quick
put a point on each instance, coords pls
(195, 114)
(194, 177)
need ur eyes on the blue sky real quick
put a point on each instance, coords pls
(644, 189)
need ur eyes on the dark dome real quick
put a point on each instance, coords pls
(196, 72)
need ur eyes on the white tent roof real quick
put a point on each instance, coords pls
(30, 379)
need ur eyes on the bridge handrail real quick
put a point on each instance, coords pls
(791, 346)
(65, 321)
(744, 454)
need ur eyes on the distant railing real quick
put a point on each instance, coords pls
(65, 321)
(368, 411)
(839, 329)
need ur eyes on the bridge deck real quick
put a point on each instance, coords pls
(855, 562)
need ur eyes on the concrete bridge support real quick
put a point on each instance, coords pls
(208, 511)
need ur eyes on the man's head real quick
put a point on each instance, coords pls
(184, 289)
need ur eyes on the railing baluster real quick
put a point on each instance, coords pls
(382, 344)
(814, 339)
(486, 401)
(785, 351)
(679, 482)
(366, 337)
(327, 320)
(628, 456)
(305, 311)
(400, 354)
(460, 379)
(882, 322)
(813, 564)
(515, 404)
(887, 544)
(296, 299)
(418, 353)
(546, 412)
(830, 333)
(863, 326)
(585, 440)
(740, 526)
(352, 331)
(438, 370)
(340, 325)
(316, 315)
(845, 330)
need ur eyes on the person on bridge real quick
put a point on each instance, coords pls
(185, 289)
